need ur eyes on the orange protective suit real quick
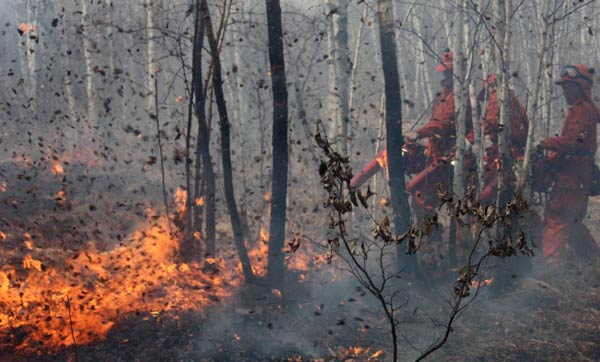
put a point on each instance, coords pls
(440, 132)
(518, 135)
(572, 154)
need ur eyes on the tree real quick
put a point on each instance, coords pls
(393, 126)
(339, 70)
(224, 126)
(280, 143)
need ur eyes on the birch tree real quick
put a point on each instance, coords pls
(339, 69)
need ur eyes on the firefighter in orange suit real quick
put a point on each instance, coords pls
(572, 157)
(433, 166)
(518, 135)
(440, 133)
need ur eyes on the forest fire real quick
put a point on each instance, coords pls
(137, 277)
(299, 180)
(88, 291)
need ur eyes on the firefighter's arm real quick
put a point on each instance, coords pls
(369, 170)
(573, 139)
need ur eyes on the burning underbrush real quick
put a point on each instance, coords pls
(55, 298)
(74, 266)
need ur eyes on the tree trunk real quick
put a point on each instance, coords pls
(503, 10)
(190, 248)
(217, 79)
(338, 13)
(88, 50)
(280, 143)
(393, 124)
(525, 178)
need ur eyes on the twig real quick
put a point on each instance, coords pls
(160, 152)
(72, 332)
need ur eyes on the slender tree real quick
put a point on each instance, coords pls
(393, 125)
(280, 143)
(190, 248)
(337, 14)
(217, 79)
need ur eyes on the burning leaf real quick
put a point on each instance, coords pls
(376, 354)
(30, 263)
(57, 168)
(25, 28)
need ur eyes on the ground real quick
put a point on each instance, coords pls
(546, 315)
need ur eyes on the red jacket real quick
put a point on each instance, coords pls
(441, 128)
(573, 151)
(518, 125)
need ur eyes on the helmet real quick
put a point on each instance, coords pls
(578, 74)
(447, 59)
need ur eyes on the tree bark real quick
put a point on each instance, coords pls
(339, 80)
(88, 50)
(224, 126)
(525, 178)
(190, 248)
(503, 10)
(280, 143)
(393, 124)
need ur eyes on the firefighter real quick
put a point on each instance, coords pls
(440, 135)
(572, 157)
(489, 122)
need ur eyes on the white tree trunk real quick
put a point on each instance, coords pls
(339, 69)
(525, 178)
(151, 6)
(460, 99)
(88, 50)
(357, 48)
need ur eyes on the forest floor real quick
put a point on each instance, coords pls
(544, 316)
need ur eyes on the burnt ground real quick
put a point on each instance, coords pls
(544, 316)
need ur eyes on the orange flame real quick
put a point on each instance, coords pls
(140, 276)
(26, 28)
(484, 282)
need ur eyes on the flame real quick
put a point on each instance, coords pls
(180, 200)
(2, 236)
(140, 276)
(26, 28)
(2, 186)
(199, 201)
(484, 282)
(57, 168)
(264, 235)
(179, 99)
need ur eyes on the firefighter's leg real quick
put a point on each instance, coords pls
(558, 224)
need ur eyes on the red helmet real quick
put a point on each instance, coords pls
(447, 61)
(578, 74)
